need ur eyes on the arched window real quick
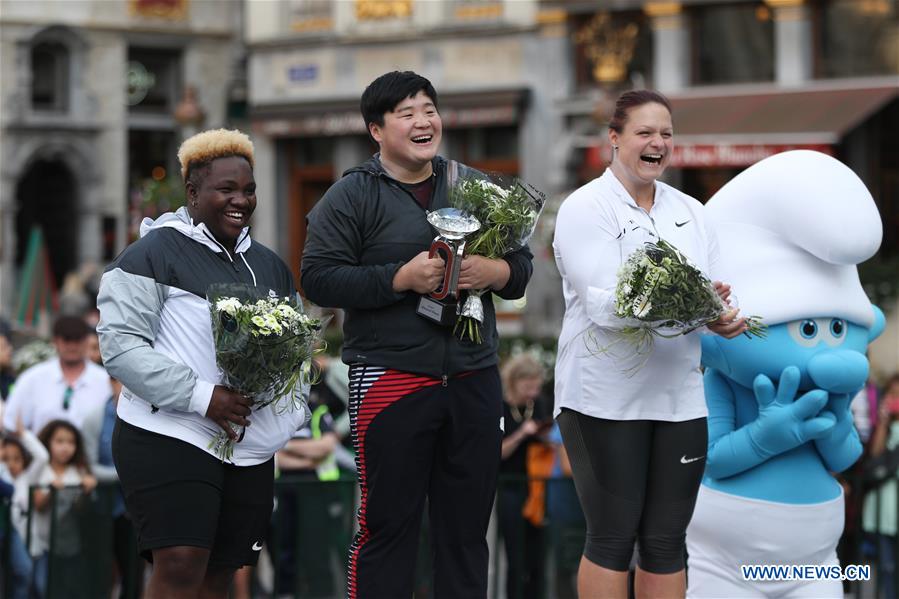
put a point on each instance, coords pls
(50, 65)
(46, 197)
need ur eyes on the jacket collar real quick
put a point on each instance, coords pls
(374, 167)
(624, 195)
(181, 221)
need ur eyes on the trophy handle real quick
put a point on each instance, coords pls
(449, 257)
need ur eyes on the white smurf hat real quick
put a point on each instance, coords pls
(792, 229)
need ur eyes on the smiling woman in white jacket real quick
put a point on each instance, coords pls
(198, 517)
(636, 442)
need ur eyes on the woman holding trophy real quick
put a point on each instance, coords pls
(425, 406)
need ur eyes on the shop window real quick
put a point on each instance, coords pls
(857, 38)
(487, 148)
(50, 64)
(732, 43)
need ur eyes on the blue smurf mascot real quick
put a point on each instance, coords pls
(792, 229)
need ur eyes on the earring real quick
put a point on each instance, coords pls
(615, 148)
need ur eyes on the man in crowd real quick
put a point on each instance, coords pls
(67, 386)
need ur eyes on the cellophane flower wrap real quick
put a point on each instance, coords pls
(507, 209)
(264, 345)
(660, 293)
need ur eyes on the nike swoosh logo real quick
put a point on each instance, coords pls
(677, 224)
(685, 460)
(257, 546)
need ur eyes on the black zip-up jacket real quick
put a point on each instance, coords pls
(358, 235)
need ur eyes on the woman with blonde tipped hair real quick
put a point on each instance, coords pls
(198, 518)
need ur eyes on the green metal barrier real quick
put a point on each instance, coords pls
(311, 530)
(78, 561)
(6, 579)
(536, 559)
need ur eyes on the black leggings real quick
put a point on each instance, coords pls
(636, 479)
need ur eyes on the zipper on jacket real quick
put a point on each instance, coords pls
(446, 341)
(233, 262)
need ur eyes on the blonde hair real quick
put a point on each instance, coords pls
(205, 147)
(522, 366)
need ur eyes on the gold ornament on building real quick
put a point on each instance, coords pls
(659, 9)
(371, 10)
(608, 47)
(174, 10)
(311, 15)
(479, 11)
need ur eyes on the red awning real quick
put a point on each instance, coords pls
(738, 130)
(741, 129)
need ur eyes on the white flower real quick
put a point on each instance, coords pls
(229, 305)
(492, 188)
(258, 321)
(271, 324)
(286, 311)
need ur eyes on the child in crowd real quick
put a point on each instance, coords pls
(67, 467)
(24, 457)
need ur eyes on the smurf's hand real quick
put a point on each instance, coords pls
(841, 447)
(784, 424)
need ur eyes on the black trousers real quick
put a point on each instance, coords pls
(417, 439)
(525, 551)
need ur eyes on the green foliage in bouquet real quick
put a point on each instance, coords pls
(659, 287)
(508, 214)
(264, 347)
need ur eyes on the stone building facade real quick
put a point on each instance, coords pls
(88, 106)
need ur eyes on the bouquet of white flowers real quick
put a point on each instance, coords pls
(264, 345)
(659, 293)
(507, 209)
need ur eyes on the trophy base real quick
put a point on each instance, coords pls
(436, 311)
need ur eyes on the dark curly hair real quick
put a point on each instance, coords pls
(79, 459)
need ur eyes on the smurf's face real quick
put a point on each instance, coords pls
(829, 352)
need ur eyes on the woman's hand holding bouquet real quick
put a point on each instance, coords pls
(660, 293)
(264, 347)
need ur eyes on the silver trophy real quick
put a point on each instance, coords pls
(452, 226)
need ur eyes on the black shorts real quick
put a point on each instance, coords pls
(179, 495)
(636, 479)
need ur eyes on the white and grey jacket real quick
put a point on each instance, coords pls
(156, 335)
